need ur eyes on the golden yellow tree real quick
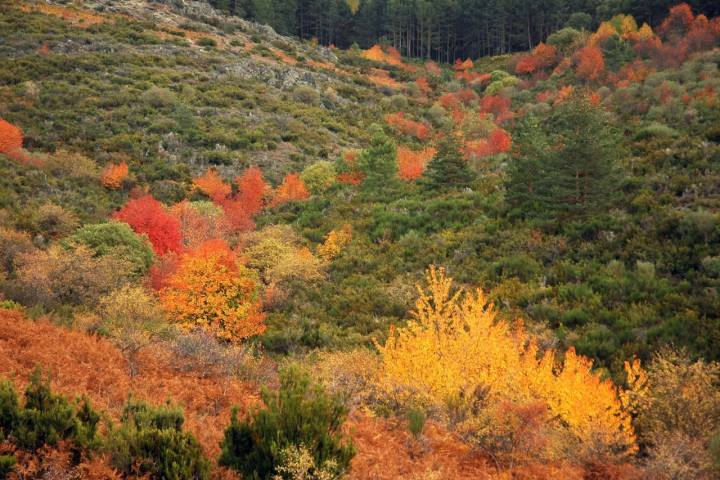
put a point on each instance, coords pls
(334, 242)
(456, 349)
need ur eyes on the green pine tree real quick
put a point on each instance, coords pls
(448, 169)
(379, 163)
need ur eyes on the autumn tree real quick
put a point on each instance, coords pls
(212, 185)
(114, 175)
(335, 242)
(590, 63)
(458, 355)
(148, 216)
(292, 189)
(211, 290)
(319, 176)
(199, 221)
(252, 190)
(412, 163)
(11, 137)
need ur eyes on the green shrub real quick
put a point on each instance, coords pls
(300, 415)
(7, 462)
(319, 176)
(150, 441)
(416, 421)
(45, 418)
(207, 42)
(118, 239)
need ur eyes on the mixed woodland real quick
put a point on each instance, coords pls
(379, 240)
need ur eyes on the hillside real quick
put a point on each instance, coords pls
(502, 267)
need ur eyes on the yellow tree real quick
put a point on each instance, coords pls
(455, 351)
(211, 290)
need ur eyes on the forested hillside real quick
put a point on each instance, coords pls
(230, 253)
(444, 30)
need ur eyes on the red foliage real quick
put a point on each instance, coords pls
(251, 190)
(498, 141)
(351, 178)
(406, 126)
(463, 65)
(677, 23)
(236, 217)
(527, 65)
(590, 63)
(702, 36)
(424, 85)
(432, 68)
(11, 137)
(498, 106)
(162, 270)
(411, 163)
(148, 216)
(212, 185)
(473, 78)
(292, 189)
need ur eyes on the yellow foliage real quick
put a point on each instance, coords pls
(645, 32)
(455, 346)
(334, 242)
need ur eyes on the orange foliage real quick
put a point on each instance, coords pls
(81, 364)
(564, 93)
(498, 106)
(590, 63)
(498, 141)
(236, 217)
(391, 56)
(196, 227)
(432, 68)
(406, 126)
(460, 65)
(252, 189)
(526, 65)
(78, 18)
(148, 216)
(115, 174)
(678, 22)
(702, 36)
(382, 78)
(11, 137)
(423, 85)
(211, 290)
(351, 178)
(542, 57)
(411, 163)
(473, 78)
(44, 49)
(212, 185)
(291, 189)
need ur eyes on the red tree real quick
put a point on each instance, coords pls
(292, 188)
(678, 22)
(11, 137)
(147, 215)
(590, 63)
(251, 190)
(212, 185)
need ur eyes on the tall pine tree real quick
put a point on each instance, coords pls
(448, 169)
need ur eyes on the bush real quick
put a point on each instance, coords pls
(207, 42)
(305, 94)
(319, 176)
(118, 239)
(45, 418)
(299, 415)
(150, 441)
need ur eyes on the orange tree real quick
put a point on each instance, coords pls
(212, 291)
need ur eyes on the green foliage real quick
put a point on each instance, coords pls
(319, 176)
(448, 169)
(416, 421)
(566, 166)
(45, 417)
(150, 441)
(7, 462)
(118, 239)
(299, 414)
(378, 163)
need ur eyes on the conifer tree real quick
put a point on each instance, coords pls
(448, 169)
(378, 163)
